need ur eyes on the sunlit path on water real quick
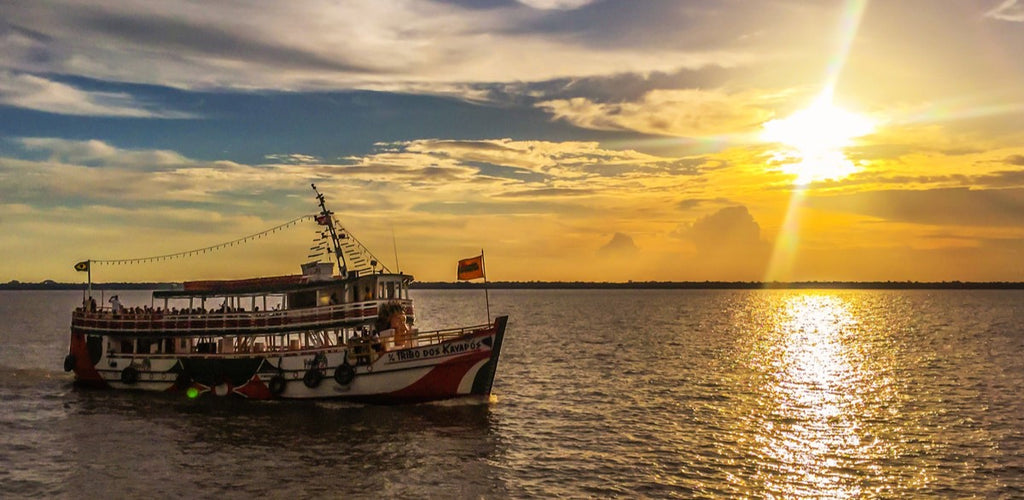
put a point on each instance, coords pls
(813, 396)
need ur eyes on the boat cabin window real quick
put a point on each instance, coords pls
(299, 300)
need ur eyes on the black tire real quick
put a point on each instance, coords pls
(344, 374)
(183, 381)
(312, 378)
(129, 375)
(70, 362)
(276, 385)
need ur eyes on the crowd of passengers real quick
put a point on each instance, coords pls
(146, 312)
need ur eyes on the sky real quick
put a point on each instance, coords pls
(570, 140)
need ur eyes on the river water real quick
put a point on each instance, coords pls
(599, 393)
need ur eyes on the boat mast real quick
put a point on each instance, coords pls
(328, 217)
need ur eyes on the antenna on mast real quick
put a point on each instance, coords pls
(326, 218)
(394, 242)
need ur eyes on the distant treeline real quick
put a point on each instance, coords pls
(580, 285)
(51, 285)
(724, 285)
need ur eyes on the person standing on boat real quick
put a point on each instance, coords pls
(115, 305)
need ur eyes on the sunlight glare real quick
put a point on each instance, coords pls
(817, 135)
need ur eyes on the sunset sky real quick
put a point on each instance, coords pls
(570, 139)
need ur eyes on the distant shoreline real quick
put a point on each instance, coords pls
(585, 285)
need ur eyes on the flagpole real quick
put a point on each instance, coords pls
(88, 265)
(487, 297)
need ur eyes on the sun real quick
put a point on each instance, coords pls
(817, 136)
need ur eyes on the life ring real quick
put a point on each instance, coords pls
(312, 378)
(183, 381)
(344, 374)
(69, 362)
(276, 385)
(129, 375)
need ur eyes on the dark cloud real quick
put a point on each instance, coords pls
(547, 192)
(616, 88)
(163, 33)
(729, 229)
(691, 203)
(728, 244)
(1002, 178)
(1015, 160)
(951, 206)
(621, 245)
(480, 4)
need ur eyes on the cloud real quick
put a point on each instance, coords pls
(940, 207)
(99, 153)
(1017, 160)
(728, 245)
(569, 160)
(405, 45)
(556, 4)
(683, 113)
(728, 230)
(294, 158)
(37, 93)
(621, 245)
(1009, 10)
(402, 174)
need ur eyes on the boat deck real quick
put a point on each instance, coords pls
(204, 324)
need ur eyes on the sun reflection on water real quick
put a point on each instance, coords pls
(812, 394)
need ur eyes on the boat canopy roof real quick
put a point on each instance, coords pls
(271, 285)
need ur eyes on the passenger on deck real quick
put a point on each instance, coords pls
(392, 317)
(115, 305)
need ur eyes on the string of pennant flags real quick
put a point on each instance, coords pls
(85, 265)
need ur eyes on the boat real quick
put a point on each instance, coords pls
(315, 335)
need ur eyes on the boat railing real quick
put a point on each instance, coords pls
(438, 336)
(203, 322)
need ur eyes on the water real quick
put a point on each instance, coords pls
(824, 394)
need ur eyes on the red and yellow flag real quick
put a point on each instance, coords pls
(472, 268)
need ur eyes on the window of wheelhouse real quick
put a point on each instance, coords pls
(299, 300)
(393, 289)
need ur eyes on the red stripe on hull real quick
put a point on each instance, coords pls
(85, 372)
(254, 389)
(441, 382)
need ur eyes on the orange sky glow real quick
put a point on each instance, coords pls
(846, 141)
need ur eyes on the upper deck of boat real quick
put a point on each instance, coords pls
(302, 304)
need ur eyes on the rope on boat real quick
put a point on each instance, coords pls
(197, 251)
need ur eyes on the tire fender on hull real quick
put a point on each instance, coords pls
(344, 374)
(276, 385)
(130, 375)
(312, 378)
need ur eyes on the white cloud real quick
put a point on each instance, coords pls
(687, 113)
(321, 44)
(33, 92)
(1009, 10)
(400, 175)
